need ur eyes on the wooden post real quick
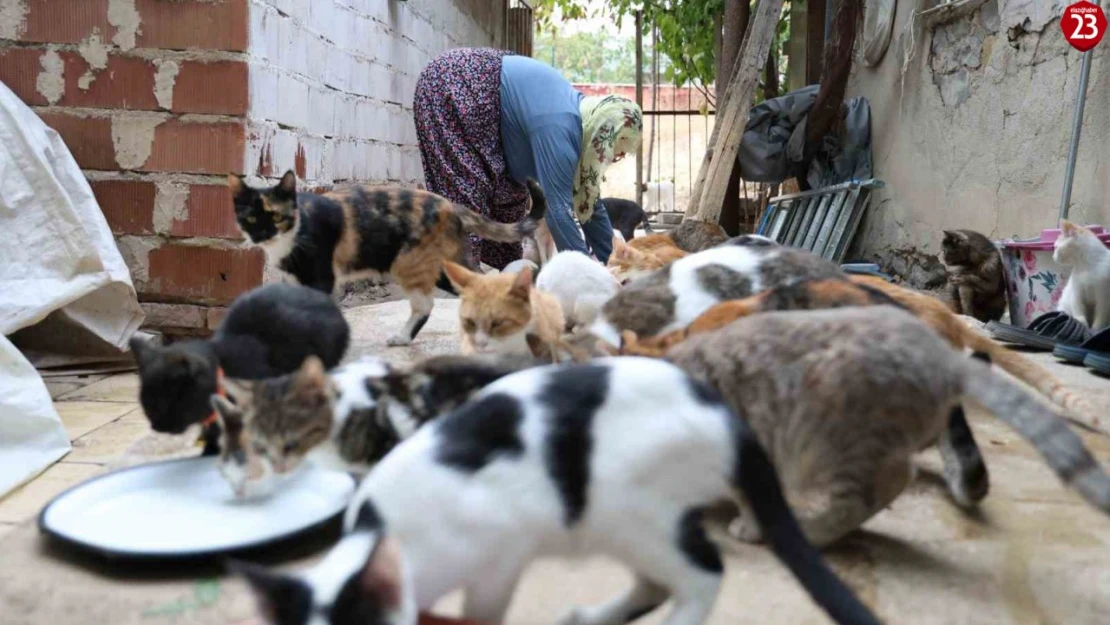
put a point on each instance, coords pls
(709, 192)
(640, 103)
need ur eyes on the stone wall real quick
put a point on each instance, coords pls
(975, 133)
(158, 100)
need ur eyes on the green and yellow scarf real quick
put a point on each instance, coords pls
(611, 129)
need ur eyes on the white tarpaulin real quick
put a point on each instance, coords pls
(57, 255)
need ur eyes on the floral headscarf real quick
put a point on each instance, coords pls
(611, 129)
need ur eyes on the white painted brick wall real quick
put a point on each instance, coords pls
(334, 80)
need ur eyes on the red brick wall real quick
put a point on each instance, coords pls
(152, 102)
(159, 99)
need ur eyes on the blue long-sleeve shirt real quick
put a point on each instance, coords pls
(541, 136)
(541, 128)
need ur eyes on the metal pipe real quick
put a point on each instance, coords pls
(1076, 129)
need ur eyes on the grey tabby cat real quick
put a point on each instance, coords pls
(347, 419)
(843, 398)
(675, 295)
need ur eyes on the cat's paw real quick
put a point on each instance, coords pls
(745, 530)
(398, 340)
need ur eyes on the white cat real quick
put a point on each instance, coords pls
(618, 457)
(659, 197)
(582, 286)
(1086, 296)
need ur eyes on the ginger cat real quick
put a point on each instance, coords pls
(642, 256)
(861, 290)
(505, 314)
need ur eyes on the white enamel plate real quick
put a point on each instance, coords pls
(184, 508)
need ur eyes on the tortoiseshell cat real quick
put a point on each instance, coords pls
(361, 231)
(976, 281)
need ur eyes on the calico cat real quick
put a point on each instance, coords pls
(619, 457)
(642, 256)
(581, 285)
(860, 290)
(1086, 296)
(844, 398)
(675, 295)
(976, 282)
(498, 313)
(348, 419)
(360, 231)
(268, 331)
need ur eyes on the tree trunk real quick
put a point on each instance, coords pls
(737, 14)
(815, 40)
(771, 77)
(716, 169)
(824, 117)
(718, 54)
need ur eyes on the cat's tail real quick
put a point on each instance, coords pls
(756, 477)
(1053, 438)
(486, 228)
(1029, 372)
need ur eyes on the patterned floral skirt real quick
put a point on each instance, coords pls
(457, 107)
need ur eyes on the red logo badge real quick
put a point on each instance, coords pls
(1083, 24)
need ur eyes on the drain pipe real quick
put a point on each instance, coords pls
(1076, 128)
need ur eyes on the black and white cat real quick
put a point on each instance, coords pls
(619, 457)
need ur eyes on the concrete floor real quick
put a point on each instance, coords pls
(1033, 554)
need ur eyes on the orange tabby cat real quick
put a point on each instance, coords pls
(642, 256)
(861, 290)
(505, 314)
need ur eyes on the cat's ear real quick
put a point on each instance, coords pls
(311, 378)
(618, 244)
(394, 384)
(141, 350)
(1068, 228)
(382, 576)
(288, 184)
(460, 276)
(628, 340)
(522, 284)
(227, 411)
(280, 598)
(236, 184)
